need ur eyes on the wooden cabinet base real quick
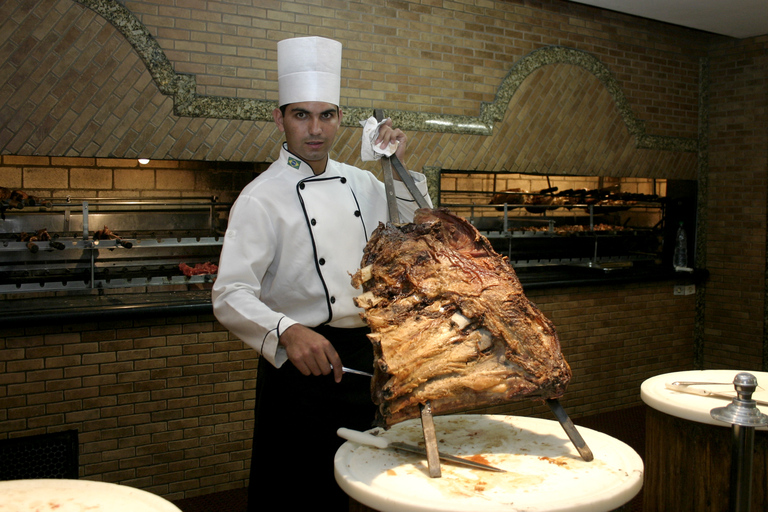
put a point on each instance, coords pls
(688, 466)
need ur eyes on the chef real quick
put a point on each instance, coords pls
(295, 236)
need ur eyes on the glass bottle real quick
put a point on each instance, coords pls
(680, 256)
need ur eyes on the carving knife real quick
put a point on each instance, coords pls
(380, 442)
(356, 372)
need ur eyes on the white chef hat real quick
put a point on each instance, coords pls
(309, 69)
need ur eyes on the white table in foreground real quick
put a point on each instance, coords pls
(62, 495)
(544, 470)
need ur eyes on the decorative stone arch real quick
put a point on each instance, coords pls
(187, 103)
(552, 55)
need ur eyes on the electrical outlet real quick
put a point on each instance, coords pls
(684, 289)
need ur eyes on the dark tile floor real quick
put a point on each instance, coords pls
(626, 425)
(226, 501)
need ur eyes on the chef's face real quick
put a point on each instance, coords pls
(310, 128)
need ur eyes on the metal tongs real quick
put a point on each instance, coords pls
(685, 387)
(387, 166)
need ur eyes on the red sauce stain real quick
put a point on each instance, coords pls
(557, 462)
(478, 458)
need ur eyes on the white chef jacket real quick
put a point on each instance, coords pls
(292, 243)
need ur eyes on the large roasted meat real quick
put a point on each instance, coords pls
(449, 321)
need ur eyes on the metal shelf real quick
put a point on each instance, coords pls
(156, 235)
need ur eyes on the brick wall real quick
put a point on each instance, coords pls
(60, 177)
(408, 57)
(164, 405)
(738, 181)
(406, 54)
(614, 337)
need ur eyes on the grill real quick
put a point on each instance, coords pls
(76, 244)
(593, 226)
(595, 238)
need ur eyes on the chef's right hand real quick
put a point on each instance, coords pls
(310, 352)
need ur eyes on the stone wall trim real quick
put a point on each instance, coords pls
(187, 103)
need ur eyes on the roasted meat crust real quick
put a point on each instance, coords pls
(450, 323)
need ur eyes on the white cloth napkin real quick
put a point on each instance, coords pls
(370, 151)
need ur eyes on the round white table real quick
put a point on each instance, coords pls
(62, 495)
(696, 407)
(544, 472)
(687, 452)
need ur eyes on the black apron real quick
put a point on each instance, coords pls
(296, 418)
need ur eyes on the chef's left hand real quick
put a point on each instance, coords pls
(389, 135)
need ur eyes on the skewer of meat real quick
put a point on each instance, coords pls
(30, 239)
(18, 199)
(107, 234)
(42, 235)
(206, 268)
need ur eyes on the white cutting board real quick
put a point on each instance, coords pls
(695, 407)
(544, 470)
(62, 495)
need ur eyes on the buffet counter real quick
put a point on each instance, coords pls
(105, 307)
(97, 305)
(561, 276)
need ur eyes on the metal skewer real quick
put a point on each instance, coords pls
(683, 387)
(430, 440)
(694, 383)
(570, 429)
